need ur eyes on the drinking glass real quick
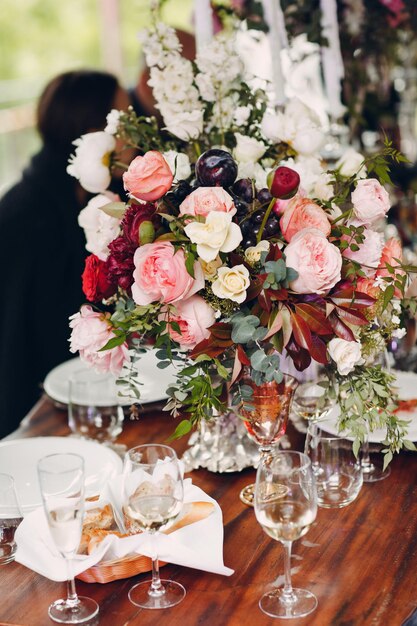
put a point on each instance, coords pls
(372, 471)
(265, 418)
(94, 410)
(61, 479)
(152, 499)
(285, 507)
(338, 472)
(10, 518)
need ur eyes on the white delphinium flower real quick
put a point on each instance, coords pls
(223, 111)
(220, 60)
(241, 115)
(206, 87)
(186, 125)
(160, 44)
(91, 162)
(100, 229)
(112, 120)
(179, 164)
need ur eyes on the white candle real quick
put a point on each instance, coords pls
(272, 12)
(333, 69)
(203, 19)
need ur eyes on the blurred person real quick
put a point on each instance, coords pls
(42, 247)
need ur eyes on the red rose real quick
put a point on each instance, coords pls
(97, 283)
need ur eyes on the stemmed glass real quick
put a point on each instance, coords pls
(61, 479)
(153, 497)
(265, 416)
(285, 507)
(371, 472)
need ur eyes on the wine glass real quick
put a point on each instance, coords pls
(285, 507)
(61, 479)
(337, 471)
(265, 416)
(153, 497)
(10, 518)
(314, 399)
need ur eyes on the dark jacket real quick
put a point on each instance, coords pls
(41, 260)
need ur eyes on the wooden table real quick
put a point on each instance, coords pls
(360, 561)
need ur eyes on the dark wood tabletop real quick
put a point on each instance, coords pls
(360, 561)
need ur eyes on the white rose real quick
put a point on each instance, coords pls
(91, 161)
(346, 354)
(210, 268)
(350, 162)
(100, 229)
(179, 164)
(217, 234)
(232, 283)
(185, 125)
(248, 149)
(253, 253)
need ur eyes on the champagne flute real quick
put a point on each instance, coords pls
(265, 416)
(61, 479)
(285, 507)
(153, 497)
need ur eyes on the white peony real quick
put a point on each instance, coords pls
(350, 162)
(346, 354)
(253, 253)
(297, 125)
(99, 228)
(185, 126)
(179, 164)
(91, 161)
(248, 149)
(232, 283)
(217, 234)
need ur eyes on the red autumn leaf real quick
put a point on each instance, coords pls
(265, 301)
(351, 316)
(220, 330)
(275, 326)
(237, 368)
(318, 350)
(243, 357)
(301, 331)
(278, 294)
(254, 290)
(348, 296)
(274, 253)
(315, 318)
(300, 357)
(340, 328)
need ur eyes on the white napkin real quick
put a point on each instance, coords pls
(198, 545)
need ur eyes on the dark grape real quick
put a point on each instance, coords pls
(257, 217)
(194, 184)
(256, 229)
(241, 207)
(216, 168)
(249, 241)
(271, 227)
(182, 190)
(246, 227)
(264, 196)
(243, 189)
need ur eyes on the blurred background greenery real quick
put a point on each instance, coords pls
(41, 38)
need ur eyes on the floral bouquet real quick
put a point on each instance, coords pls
(235, 247)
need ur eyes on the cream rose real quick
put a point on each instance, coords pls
(232, 283)
(346, 354)
(317, 261)
(210, 268)
(217, 234)
(253, 253)
(248, 149)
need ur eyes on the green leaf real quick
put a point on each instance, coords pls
(387, 459)
(113, 342)
(189, 264)
(259, 360)
(388, 295)
(114, 209)
(182, 429)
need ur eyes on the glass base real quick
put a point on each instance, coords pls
(274, 604)
(247, 495)
(172, 594)
(372, 473)
(65, 613)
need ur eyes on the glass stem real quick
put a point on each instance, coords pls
(72, 598)
(264, 451)
(156, 590)
(288, 595)
(366, 464)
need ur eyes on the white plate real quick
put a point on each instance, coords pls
(19, 458)
(155, 381)
(406, 384)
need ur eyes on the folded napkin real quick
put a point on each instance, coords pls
(198, 545)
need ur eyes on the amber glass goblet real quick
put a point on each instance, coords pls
(265, 417)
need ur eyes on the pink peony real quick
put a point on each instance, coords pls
(204, 200)
(90, 332)
(368, 286)
(317, 261)
(149, 177)
(391, 251)
(303, 213)
(194, 317)
(369, 253)
(160, 274)
(370, 201)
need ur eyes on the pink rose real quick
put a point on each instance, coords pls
(149, 177)
(90, 332)
(369, 253)
(317, 261)
(194, 317)
(204, 200)
(303, 213)
(391, 251)
(160, 274)
(370, 201)
(367, 285)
